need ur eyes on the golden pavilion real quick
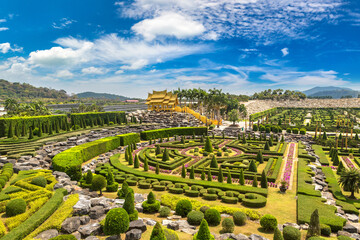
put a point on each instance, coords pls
(162, 101)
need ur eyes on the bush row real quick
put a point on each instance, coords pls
(37, 218)
(170, 132)
(304, 179)
(98, 118)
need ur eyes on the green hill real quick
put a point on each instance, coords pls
(101, 96)
(27, 91)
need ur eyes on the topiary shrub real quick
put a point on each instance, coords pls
(116, 222)
(239, 218)
(204, 208)
(129, 206)
(113, 187)
(98, 183)
(164, 211)
(268, 222)
(195, 217)
(170, 234)
(204, 232)
(151, 205)
(291, 233)
(227, 225)
(124, 190)
(325, 230)
(15, 207)
(183, 207)
(157, 233)
(212, 216)
(39, 181)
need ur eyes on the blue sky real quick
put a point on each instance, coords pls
(132, 47)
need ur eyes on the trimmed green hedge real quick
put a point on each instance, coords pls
(304, 180)
(25, 228)
(306, 205)
(97, 118)
(232, 187)
(320, 152)
(169, 132)
(129, 138)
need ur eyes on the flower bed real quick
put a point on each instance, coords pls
(289, 164)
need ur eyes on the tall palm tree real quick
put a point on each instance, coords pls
(350, 180)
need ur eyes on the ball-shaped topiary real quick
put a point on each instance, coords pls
(170, 234)
(227, 225)
(212, 216)
(15, 207)
(268, 222)
(116, 221)
(183, 207)
(39, 181)
(164, 212)
(195, 217)
(98, 183)
(239, 218)
(204, 208)
(291, 233)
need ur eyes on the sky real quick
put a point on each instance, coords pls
(133, 47)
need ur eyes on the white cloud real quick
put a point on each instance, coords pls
(63, 23)
(285, 52)
(93, 70)
(260, 20)
(3, 29)
(63, 74)
(169, 24)
(2, 20)
(6, 47)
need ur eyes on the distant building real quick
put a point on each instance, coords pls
(132, 101)
(162, 101)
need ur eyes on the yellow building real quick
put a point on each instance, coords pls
(162, 101)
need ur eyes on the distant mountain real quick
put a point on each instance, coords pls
(101, 96)
(334, 92)
(26, 91)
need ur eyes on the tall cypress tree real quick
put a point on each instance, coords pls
(214, 163)
(314, 226)
(220, 175)
(23, 129)
(31, 134)
(10, 130)
(157, 170)
(203, 175)
(259, 157)
(136, 161)
(40, 130)
(208, 146)
(130, 160)
(209, 176)
(241, 177)
(340, 168)
(267, 147)
(17, 130)
(192, 173)
(229, 179)
(252, 167)
(183, 171)
(204, 232)
(264, 181)
(146, 165)
(255, 183)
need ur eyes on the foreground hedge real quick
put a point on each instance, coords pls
(37, 218)
(114, 160)
(169, 132)
(75, 156)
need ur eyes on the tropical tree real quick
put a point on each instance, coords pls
(350, 180)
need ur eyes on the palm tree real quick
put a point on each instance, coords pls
(350, 180)
(11, 105)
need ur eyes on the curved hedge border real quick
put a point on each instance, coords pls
(175, 179)
(169, 132)
(21, 231)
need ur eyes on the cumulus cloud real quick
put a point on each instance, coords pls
(169, 24)
(63, 74)
(93, 70)
(3, 29)
(284, 51)
(6, 47)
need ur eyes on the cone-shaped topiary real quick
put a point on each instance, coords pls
(192, 173)
(203, 175)
(314, 226)
(208, 146)
(124, 190)
(204, 232)
(220, 175)
(209, 176)
(157, 233)
(282, 139)
(110, 177)
(241, 177)
(252, 166)
(31, 134)
(356, 137)
(116, 222)
(146, 165)
(136, 161)
(129, 206)
(271, 141)
(89, 177)
(267, 147)
(335, 158)
(264, 181)
(229, 179)
(324, 136)
(277, 234)
(255, 183)
(259, 157)
(157, 169)
(151, 205)
(130, 159)
(340, 168)
(243, 139)
(165, 156)
(183, 171)
(158, 150)
(214, 163)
